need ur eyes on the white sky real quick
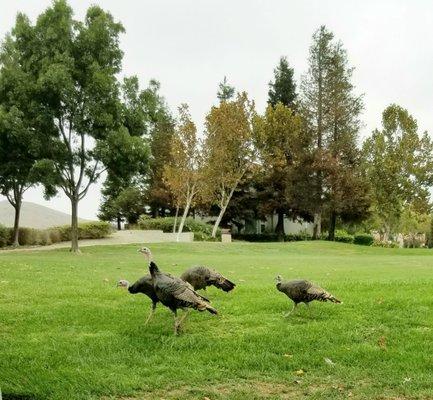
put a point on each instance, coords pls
(189, 45)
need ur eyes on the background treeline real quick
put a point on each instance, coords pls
(66, 120)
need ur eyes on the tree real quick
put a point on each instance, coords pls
(283, 89)
(75, 66)
(24, 127)
(227, 150)
(128, 166)
(346, 189)
(315, 89)
(182, 175)
(281, 142)
(398, 164)
(225, 91)
(332, 113)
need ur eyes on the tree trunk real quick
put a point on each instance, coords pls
(279, 229)
(332, 222)
(184, 215)
(317, 230)
(74, 225)
(16, 232)
(175, 219)
(218, 221)
(119, 223)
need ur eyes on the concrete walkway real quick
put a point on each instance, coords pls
(118, 237)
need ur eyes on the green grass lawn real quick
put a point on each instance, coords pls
(66, 331)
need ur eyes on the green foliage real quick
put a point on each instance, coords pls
(385, 243)
(225, 91)
(342, 236)
(398, 165)
(87, 230)
(5, 236)
(272, 237)
(283, 89)
(363, 239)
(202, 231)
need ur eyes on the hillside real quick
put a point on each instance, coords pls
(34, 216)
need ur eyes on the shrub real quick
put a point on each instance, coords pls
(388, 244)
(28, 236)
(87, 230)
(342, 236)
(413, 242)
(5, 236)
(296, 237)
(201, 230)
(257, 237)
(363, 239)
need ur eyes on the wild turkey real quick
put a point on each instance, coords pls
(302, 291)
(175, 293)
(200, 277)
(143, 285)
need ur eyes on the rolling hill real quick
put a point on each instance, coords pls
(34, 216)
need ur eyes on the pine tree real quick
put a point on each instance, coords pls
(283, 89)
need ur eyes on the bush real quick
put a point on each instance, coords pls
(296, 237)
(201, 230)
(342, 236)
(388, 244)
(271, 237)
(363, 239)
(5, 236)
(87, 230)
(257, 237)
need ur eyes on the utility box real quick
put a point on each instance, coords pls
(226, 236)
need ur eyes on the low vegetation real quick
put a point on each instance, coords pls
(43, 237)
(67, 332)
(202, 231)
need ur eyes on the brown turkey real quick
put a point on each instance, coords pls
(302, 291)
(145, 286)
(200, 277)
(175, 293)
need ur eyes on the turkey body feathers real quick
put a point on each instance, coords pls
(144, 285)
(302, 291)
(200, 277)
(175, 293)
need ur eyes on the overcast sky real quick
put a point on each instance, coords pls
(189, 45)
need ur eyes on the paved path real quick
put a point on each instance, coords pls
(118, 237)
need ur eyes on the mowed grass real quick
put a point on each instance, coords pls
(66, 331)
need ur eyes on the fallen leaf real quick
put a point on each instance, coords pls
(105, 280)
(297, 381)
(300, 372)
(381, 342)
(288, 355)
(407, 380)
(329, 361)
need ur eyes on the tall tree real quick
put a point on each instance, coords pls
(182, 175)
(139, 112)
(283, 88)
(24, 128)
(315, 90)
(225, 91)
(346, 189)
(75, 66)
(227, 150)
(281, 143)
(398, 164)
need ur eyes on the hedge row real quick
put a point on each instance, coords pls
(43, 237)
(201, 230)
(340, 236)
